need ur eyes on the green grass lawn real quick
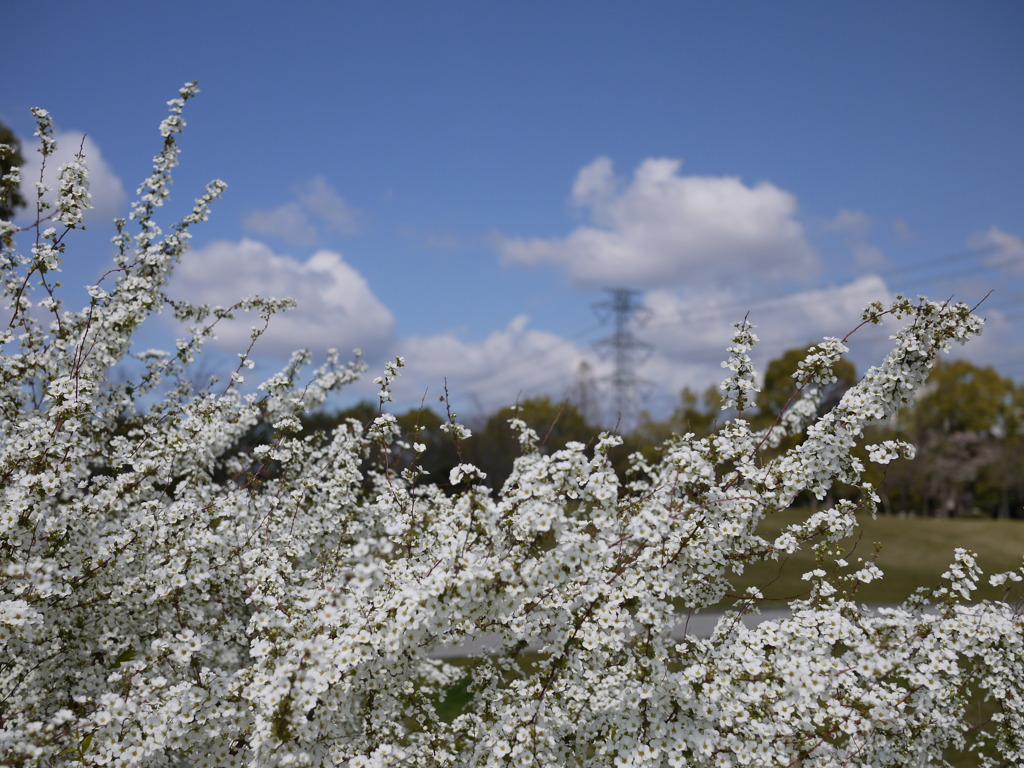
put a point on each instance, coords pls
(914, 553)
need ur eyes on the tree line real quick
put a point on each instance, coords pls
(967, 425)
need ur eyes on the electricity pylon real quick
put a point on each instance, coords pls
(626, 351)
(584, 393)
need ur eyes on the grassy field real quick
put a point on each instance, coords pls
(914, 553)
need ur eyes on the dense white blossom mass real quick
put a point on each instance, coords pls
(189, 580)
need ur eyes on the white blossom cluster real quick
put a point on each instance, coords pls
(189, 580)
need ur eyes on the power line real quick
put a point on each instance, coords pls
(766, 301)
(629, 352)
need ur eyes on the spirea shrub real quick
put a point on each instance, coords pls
(168, 601)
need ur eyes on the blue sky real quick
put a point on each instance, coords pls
(460, 182)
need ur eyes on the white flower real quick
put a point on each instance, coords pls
(187, 578)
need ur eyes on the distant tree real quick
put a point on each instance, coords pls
(780, 387)
(11, 198)
(781, 394)
(495, 447)
(962, 397)
(429, 450)
(695, 414)
(1006, 474)
(967, 427)
(324, 421)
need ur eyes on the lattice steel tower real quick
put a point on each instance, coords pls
(626, 351)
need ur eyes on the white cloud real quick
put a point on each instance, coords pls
(850, 221)
(108, 195)
(323, 201)
(854, 226)
(835, 310)
(867, 256)
(512, 362)
(317, 206)
(1000, 345)
(434, 240)
(336, 307)
(691, 332)
(1007, 250)
(289, 222)
(594, 187)
(689, 335)
(665, 228)
(902, 230)
(682, 324)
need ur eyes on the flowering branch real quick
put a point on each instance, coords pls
(166, 599)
